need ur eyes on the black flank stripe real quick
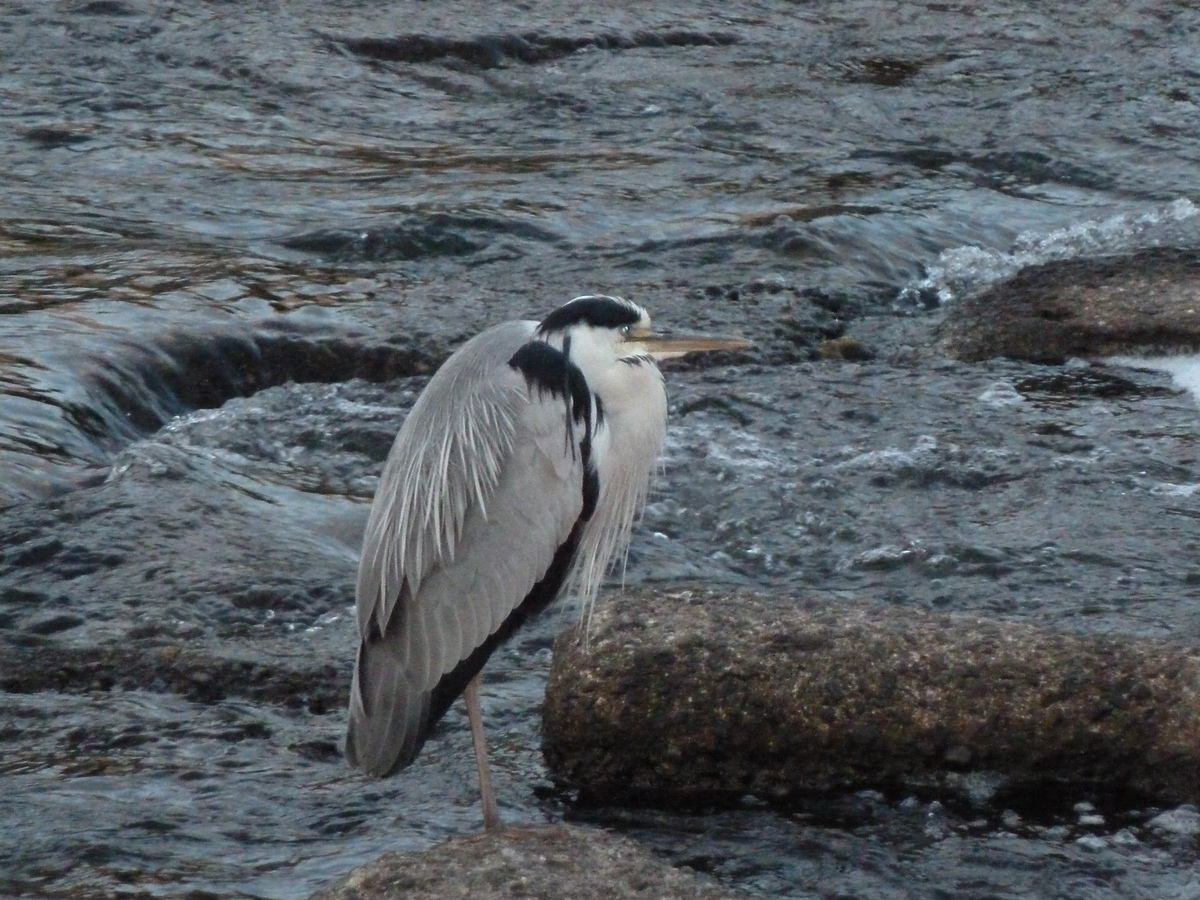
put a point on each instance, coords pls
(539, 597)
(591, 493)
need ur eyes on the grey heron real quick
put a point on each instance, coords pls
(516, 476)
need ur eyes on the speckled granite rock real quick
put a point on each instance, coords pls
(692, 694)
(551, 862)
(1145, 301)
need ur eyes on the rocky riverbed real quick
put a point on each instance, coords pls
(238, 237)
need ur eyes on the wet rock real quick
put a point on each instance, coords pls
(1144, 301)
(439, 234)
(553, 861)
(134, 387)
(203, 675)
(52, 623)
(145, 385)
(106, 8)
(401, 242)
(142, 592)
(48, 137)
(696, 695)
(846, 348)
(491, 50)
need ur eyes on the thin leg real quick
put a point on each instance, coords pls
(491, 815)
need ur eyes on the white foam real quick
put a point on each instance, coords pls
(1183, 368)
(1000, 394)
(963, 270)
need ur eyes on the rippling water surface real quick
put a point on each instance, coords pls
(252, 215)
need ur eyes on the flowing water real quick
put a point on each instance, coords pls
(236, 236)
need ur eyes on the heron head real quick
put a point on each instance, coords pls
(623, 327)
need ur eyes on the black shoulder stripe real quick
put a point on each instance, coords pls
(551, 372)
(542, 365)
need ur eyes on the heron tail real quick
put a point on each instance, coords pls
(389, 716)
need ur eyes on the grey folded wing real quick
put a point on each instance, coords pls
(483, 486)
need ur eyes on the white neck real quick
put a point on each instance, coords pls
(626, 448)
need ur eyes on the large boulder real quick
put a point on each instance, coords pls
(694, 695)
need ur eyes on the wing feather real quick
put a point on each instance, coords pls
(480, 491)
(447, 625)
(419, 505)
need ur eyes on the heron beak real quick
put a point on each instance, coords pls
(663, 345)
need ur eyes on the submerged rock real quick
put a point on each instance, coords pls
(695, 695)
(552, 861)
(1144, 301)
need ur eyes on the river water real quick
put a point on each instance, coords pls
(236, 236)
